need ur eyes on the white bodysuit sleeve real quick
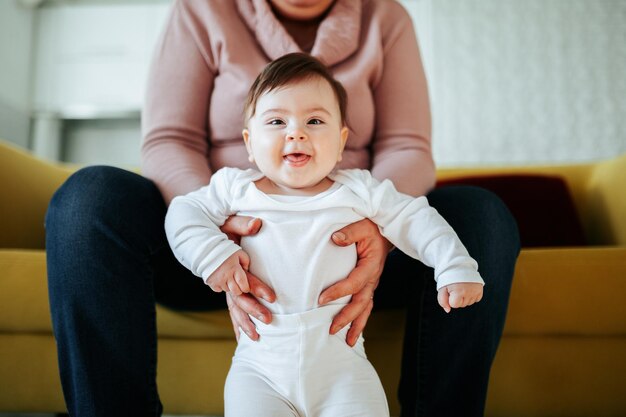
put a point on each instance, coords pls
(192, 225)
(417, 229)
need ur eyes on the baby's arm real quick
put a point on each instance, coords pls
(459, 295)
(436, 244)
(231, 275)
(416, 228)
(192, 227)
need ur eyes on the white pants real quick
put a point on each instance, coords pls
(297, 369)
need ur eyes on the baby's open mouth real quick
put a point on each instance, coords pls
(296, 158)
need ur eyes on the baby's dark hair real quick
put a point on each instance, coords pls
(287, 69)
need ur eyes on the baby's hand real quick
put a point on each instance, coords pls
(459, 295)
(231, 275)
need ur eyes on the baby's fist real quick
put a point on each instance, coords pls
(231, 276)
(459, 295)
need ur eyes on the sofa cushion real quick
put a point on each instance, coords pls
(568, 292)
(555, 292)
(541, 204)
(24, 306)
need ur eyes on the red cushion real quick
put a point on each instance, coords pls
(542, 205)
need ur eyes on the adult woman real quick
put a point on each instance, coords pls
(106, 275)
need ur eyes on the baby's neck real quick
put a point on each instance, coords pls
(267, 186)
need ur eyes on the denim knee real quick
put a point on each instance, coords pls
(101, 195)
(97, 210)
(496, 213)
(92, 192)
(476, 212)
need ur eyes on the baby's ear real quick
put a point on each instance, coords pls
(246, 139)
(344, 138)
(245, 133)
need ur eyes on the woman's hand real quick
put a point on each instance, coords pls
(372, 249)
(244, 305)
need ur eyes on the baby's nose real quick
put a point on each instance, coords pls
(296, 134)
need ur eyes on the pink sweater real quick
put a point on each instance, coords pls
(210, 53)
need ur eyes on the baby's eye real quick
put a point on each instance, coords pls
(315, 122)
(275, 122)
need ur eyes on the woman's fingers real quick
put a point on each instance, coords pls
(347, 286)
(359, 323)
(360, 232)
(361, 301)
(371, 248)
(260, 289)
(354, 232)
(251, 306)
(242, 306)
(237, 226)
(234, 322)
(240, 317)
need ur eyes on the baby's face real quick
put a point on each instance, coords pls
(296, 135)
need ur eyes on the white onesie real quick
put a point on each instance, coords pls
(297, 368)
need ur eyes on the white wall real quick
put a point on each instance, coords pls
(520, 82)
(102, 141)
(92, 62)
(16, 28)
(94, 57)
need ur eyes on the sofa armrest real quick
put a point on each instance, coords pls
(605, 217)
(27, 184)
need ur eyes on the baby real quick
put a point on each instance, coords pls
(295, 133)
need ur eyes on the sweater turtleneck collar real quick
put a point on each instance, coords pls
(337, 35)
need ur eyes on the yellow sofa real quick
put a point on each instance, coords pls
(563, 352)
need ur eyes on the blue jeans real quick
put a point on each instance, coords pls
(109, 263)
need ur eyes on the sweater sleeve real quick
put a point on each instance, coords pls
(192, 225)
(401, 149)
(416, 228)
(174, 119)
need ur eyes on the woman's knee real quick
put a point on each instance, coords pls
(106, 221)
(98, 193)
(475, 211)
